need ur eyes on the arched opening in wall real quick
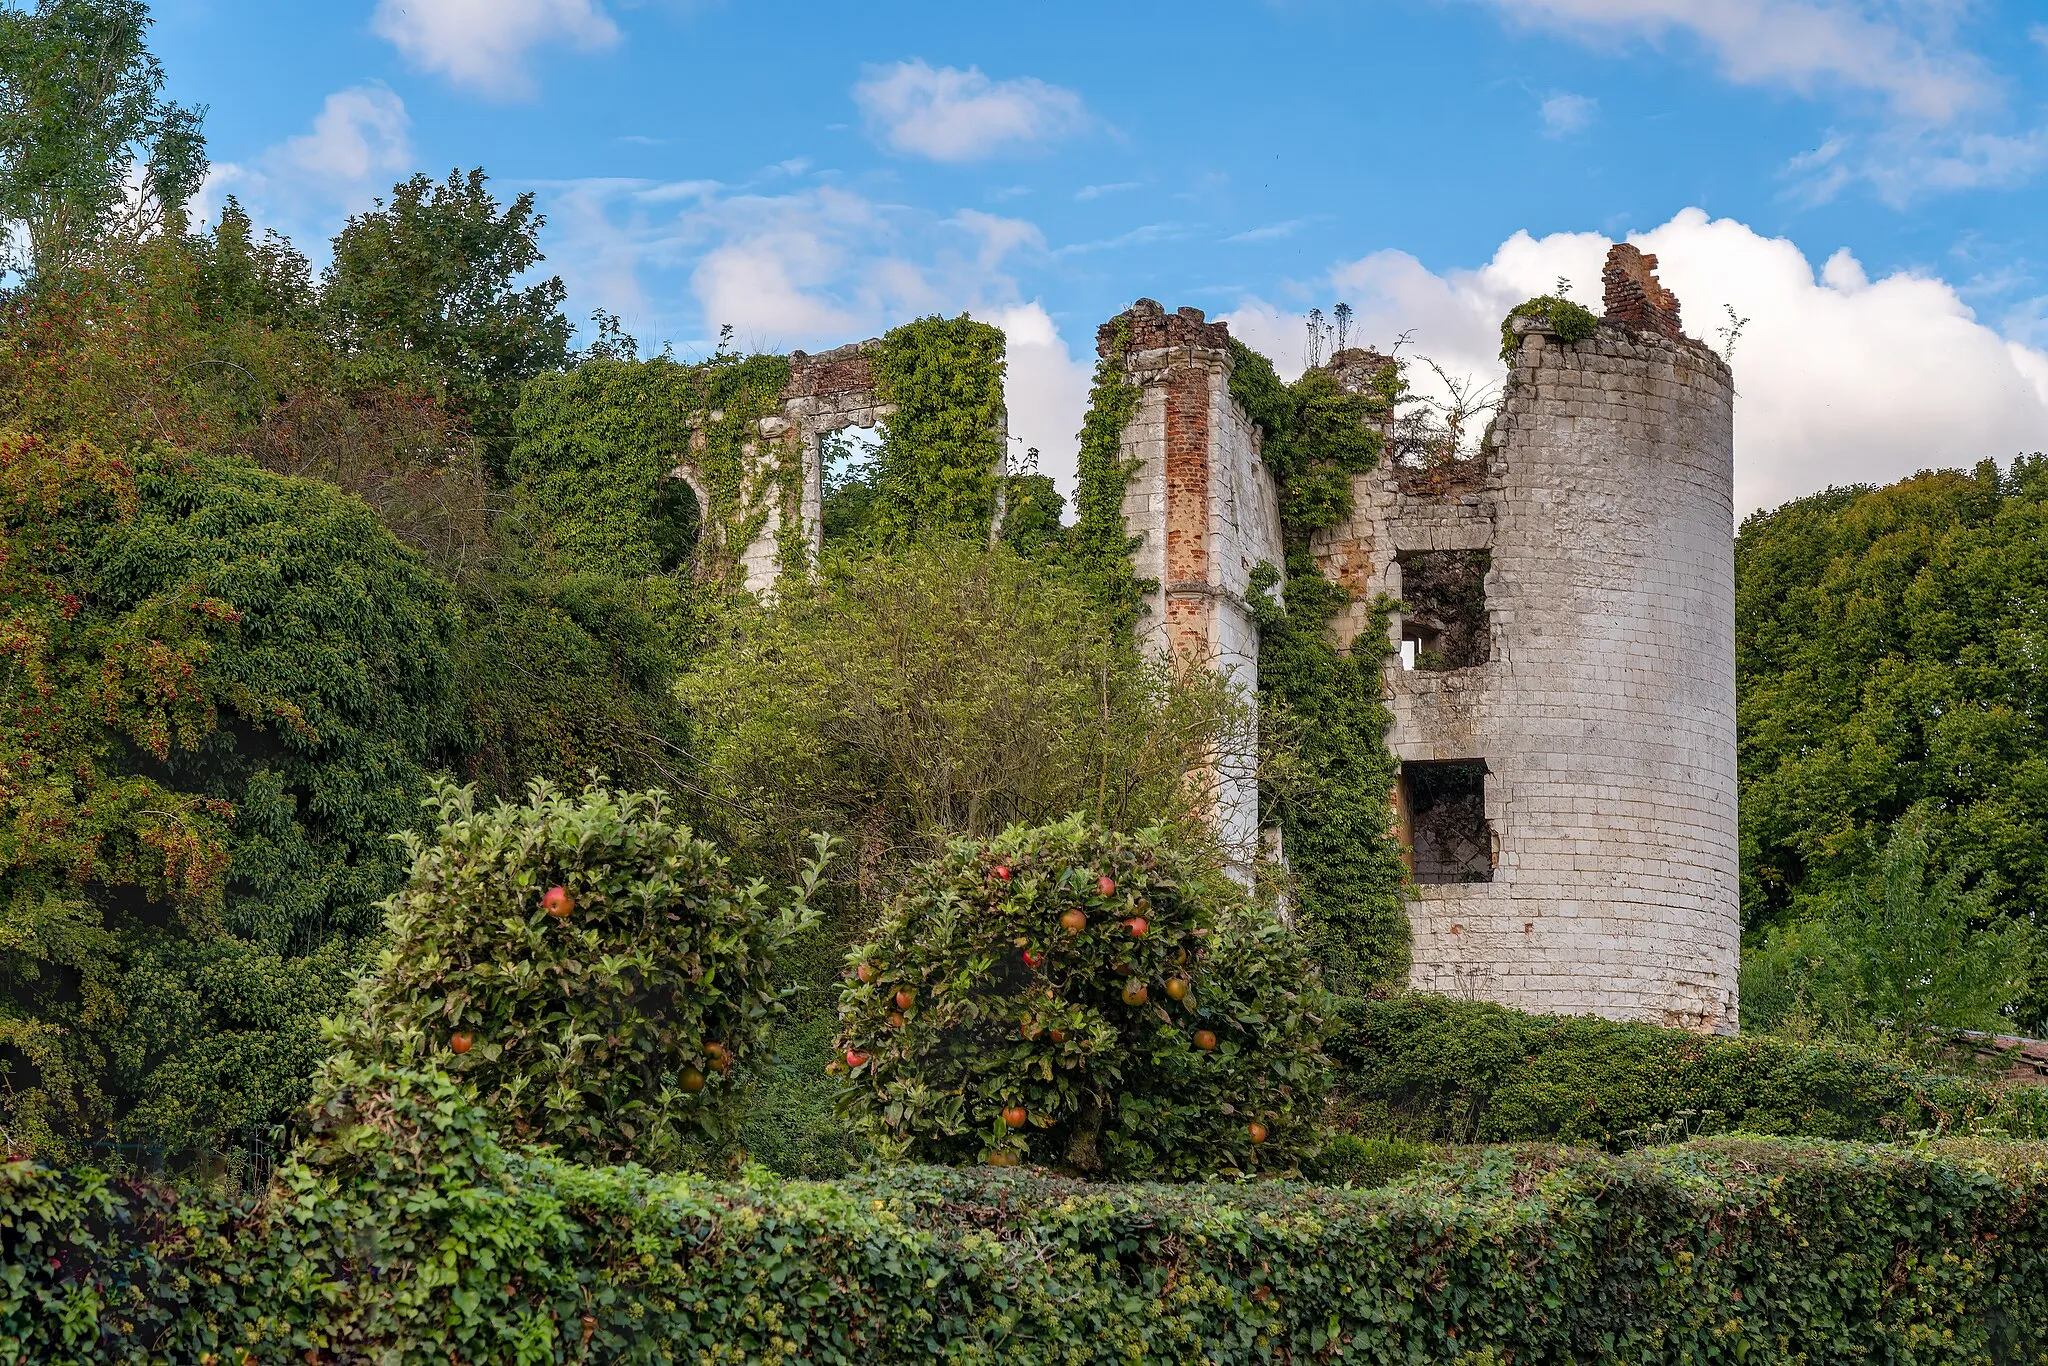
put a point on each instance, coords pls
(1444, 622)
(677, 521)
(1443, 808)
(849, 461)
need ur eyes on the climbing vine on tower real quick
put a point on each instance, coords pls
(1327, 774)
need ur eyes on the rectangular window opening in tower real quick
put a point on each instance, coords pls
(1445, 807)
(1444, 624)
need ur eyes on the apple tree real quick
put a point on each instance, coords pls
(1084, 999)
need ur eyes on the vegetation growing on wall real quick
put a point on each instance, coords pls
(942, 456)
(598, 450)
(1101, 544)
(1572, 322)
(1327, 780)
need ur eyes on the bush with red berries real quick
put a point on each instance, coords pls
(1076, 998)
(596, 973)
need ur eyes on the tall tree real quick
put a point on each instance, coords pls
(91, 154)
(425, 285)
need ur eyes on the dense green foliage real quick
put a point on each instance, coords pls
(594, 465)
(942, 449)
(1921, 955)
(1433, 1068)
(1570, 321)
(901, 698)
(422, 288)
(90, 151)
(1329, 781)
(224, 689)
(408, 1233)
(591, 968)
(1885, 661)
(1108, 994)
(559, 674)
(597, 448)
(1315, 436)
(1326, 774)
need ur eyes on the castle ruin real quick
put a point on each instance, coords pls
(1562, 676)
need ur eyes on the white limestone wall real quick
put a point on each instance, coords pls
(1244, 529)
(1198, 610)
(1606, 715)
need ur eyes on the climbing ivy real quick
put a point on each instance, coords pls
(1571, 322)
(598, 446)
(1327, 777)
(942, 449)
(1331, 779)
(1100, 544)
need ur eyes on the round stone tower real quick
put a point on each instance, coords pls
(1565, 696)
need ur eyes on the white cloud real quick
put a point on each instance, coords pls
(1565, 113)
(482, 45)
(1046, 390)
(359, 133)
(1840, 378)
(359, 143)
(948, 114)
(1899, 52)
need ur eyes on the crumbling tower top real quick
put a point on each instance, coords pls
(1635, 298)
(1152, 328)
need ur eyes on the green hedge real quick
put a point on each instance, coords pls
(408, 1235)
(1435, 1069)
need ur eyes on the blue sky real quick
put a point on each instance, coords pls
(1861, 179)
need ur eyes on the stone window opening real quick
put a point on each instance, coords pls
(849, 463)
(1443, 810)
(1444, 621)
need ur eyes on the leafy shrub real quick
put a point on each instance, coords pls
(942, 690)
(1432, 1068)
(1125, 1015)
(1900, 955)
(221, 691)
(407, 1233)
(607, 1025)
(1570, 321)
(1367, 1162)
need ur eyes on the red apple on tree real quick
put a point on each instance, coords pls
(866, 972)
(905, 999)
(557, 902)
(1002, 871)
(856, 1058)
(1137, 926)
(1106, 885)
(1074, 921)
(1015, 1116)
(1257, 1131)
(691, 1080)
(461, 1042)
